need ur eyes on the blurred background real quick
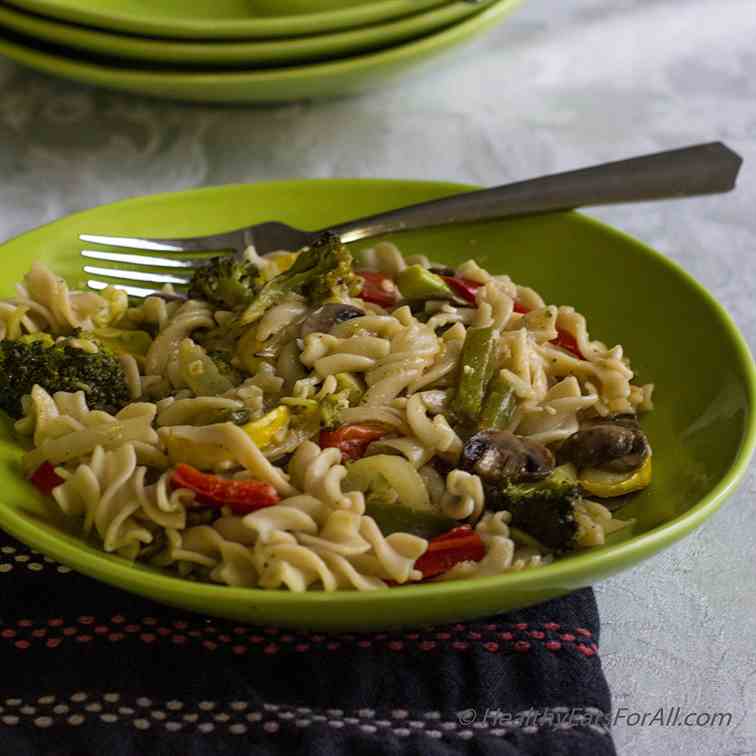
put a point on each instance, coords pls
(559, 85)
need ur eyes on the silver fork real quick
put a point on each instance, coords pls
(690, 171)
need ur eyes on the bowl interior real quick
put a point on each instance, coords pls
(701, 429)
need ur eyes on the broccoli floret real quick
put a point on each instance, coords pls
(331, 408)
(543, 510)
(349, 392)
(225, 282)
(332, 274)
(60, 366)
(320, 272)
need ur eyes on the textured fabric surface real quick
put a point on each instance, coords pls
(561, 84)
(95, 671)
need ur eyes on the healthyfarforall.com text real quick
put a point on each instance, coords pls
(664, 716)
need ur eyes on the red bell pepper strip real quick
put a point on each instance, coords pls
(463, 287)
(467, 290)
(460, 544)
(241, 496)
(351, 440)
(567, 341)
(564, 339)
(378, 289)
(45, 478)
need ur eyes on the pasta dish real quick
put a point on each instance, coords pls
(318, 420)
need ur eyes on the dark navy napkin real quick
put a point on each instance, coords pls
(86, 669)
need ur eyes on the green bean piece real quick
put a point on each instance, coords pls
(477, 368)
(499, 405)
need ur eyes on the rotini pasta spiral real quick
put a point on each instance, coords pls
(318, 473)
(110, 493)
(161, 358)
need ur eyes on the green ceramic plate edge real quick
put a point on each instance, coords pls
(408, 605)
(131, 17)
(244, 52)
(331, 79)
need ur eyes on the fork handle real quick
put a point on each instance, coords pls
(701, 169)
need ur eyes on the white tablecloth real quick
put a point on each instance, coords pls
(564, 83)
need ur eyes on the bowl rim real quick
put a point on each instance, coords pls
(256, 27)
(85, 40)
(578, 568)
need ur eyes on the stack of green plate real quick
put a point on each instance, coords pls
(238, 50)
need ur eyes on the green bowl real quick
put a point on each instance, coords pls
(221, 19)
(298, 7)
(305, 82)
(257, 53)
(703, 429)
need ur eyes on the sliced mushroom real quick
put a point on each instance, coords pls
(497, 455)
(613, 443)
(327, 316)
